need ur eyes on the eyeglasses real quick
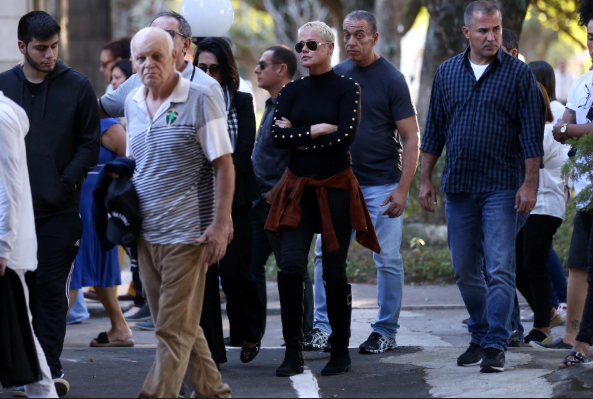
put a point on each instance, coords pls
(105, 64)
(173, 33)
(262, 65)
(311, 45)
(214, 70)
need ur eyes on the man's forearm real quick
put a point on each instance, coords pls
(532, 168)
(577, 131)
(429, 162)
(225, 187)
(410, 160)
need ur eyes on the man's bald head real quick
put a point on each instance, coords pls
(154, 56)
(151, 36)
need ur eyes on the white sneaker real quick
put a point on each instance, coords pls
(529, 318)
(563, 310)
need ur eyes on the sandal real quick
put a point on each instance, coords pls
(579, 358)
(102, 341)
(249, 354)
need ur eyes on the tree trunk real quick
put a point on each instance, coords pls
(390, 20)
(445, 38)
(513, 14)
(338, 12)
(395, 18)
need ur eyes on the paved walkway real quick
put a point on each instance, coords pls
(430, 339)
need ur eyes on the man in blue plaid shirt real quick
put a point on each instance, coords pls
(487, 108)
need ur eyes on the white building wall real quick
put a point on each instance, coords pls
(11, 12)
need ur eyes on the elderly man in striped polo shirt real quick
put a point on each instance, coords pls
(178, 135)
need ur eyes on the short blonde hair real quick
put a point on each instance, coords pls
(327, 34)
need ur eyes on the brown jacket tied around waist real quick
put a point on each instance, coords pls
(286, 210)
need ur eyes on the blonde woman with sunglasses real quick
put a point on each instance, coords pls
(317, 119)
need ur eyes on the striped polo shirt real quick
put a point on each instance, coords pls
(174, 151)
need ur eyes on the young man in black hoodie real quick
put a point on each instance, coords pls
(62, 147)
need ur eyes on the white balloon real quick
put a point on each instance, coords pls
(208, 17)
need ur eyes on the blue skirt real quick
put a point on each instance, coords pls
(93, 267)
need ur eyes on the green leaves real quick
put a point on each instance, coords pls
(581, 166)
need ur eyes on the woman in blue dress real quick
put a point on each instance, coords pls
(93, 267)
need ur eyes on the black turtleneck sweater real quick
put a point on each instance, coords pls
(327, 98)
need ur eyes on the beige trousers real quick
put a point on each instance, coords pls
(174, 278)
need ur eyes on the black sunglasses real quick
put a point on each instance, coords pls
(311, 45)
(262, 65)
(214, 70)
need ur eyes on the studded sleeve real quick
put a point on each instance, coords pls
(288, 138)
(350, 116)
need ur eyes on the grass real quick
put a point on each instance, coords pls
(422, 264)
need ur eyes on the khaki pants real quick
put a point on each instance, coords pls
(174, 278)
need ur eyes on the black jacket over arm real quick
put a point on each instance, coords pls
(246, 186)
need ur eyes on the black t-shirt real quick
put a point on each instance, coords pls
(35, 88)
(377, 151)
(318, 99)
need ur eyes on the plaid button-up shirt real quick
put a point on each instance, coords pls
(489, 126)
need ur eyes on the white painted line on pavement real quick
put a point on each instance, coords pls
(306, 385)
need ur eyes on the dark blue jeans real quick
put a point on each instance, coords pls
(484, 227)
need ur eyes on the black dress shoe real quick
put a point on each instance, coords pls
(249, 354)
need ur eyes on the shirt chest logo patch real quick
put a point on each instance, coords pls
(172, 115)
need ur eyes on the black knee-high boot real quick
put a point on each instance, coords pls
(292, 296)
(339, 311)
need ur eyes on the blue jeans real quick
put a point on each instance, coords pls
(79, 311)
(390, 267)
(516, 324)
(485, 227)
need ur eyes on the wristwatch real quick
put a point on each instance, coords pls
(563, 130)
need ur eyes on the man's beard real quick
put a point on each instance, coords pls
(36, 65)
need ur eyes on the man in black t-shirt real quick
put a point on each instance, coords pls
(385, 157)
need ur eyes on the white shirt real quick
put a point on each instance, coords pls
(563, 85)
(550, 196)
(18, 241)
(479, 69)
(174, 176)
(580, 100)
(245, 87)
(109, 88)
(557, 110)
